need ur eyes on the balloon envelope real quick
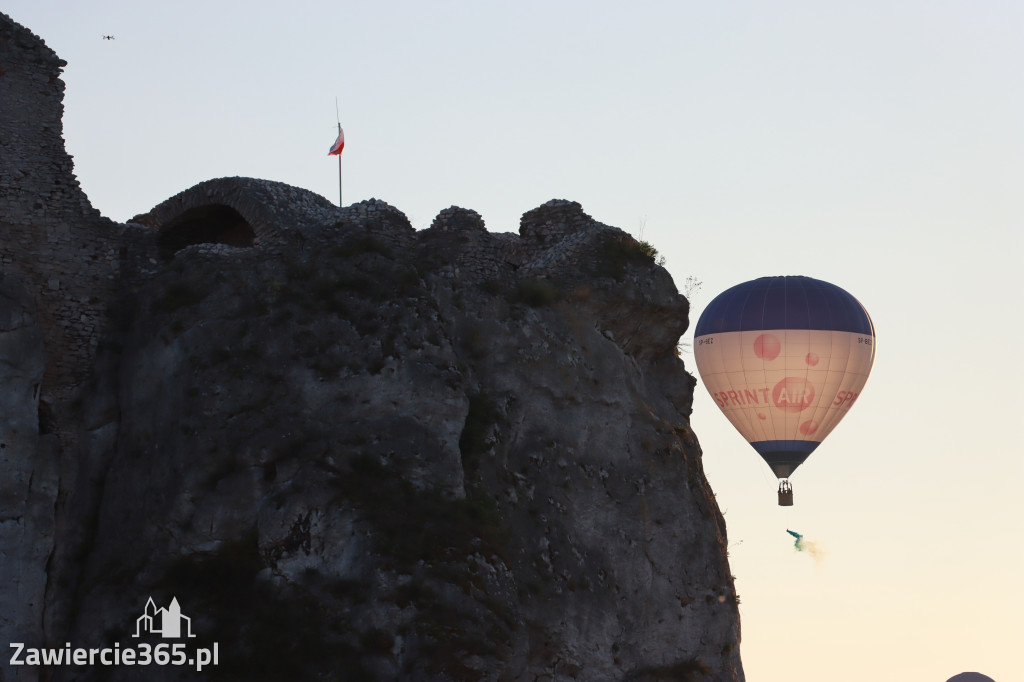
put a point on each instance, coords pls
(784, 359)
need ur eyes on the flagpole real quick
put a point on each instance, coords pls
(337, 114)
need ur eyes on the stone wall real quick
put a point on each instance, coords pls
(51, 239)
(269, 207)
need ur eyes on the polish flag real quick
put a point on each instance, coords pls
(338, 145)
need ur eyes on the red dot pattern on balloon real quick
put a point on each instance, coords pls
(809, 427)
(812, 359)
(767, 346)
(793, 394)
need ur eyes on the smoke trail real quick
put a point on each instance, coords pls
(811, 547)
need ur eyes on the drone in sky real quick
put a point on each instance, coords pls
(108, 37)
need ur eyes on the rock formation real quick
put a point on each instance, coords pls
(348, 449)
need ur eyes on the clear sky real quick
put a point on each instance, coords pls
(876, 145)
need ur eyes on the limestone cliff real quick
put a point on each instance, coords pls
(355, 451)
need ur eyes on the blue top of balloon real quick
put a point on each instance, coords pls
(790, 302)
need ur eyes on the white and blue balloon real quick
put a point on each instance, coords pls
(784, 358)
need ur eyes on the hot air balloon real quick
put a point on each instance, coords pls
(784, 359)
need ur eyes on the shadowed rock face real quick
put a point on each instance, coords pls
(28, 469)
(441, 455)
(349, 450)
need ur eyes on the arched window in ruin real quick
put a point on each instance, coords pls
(212, 224)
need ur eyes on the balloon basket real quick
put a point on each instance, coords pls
(785, 494)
